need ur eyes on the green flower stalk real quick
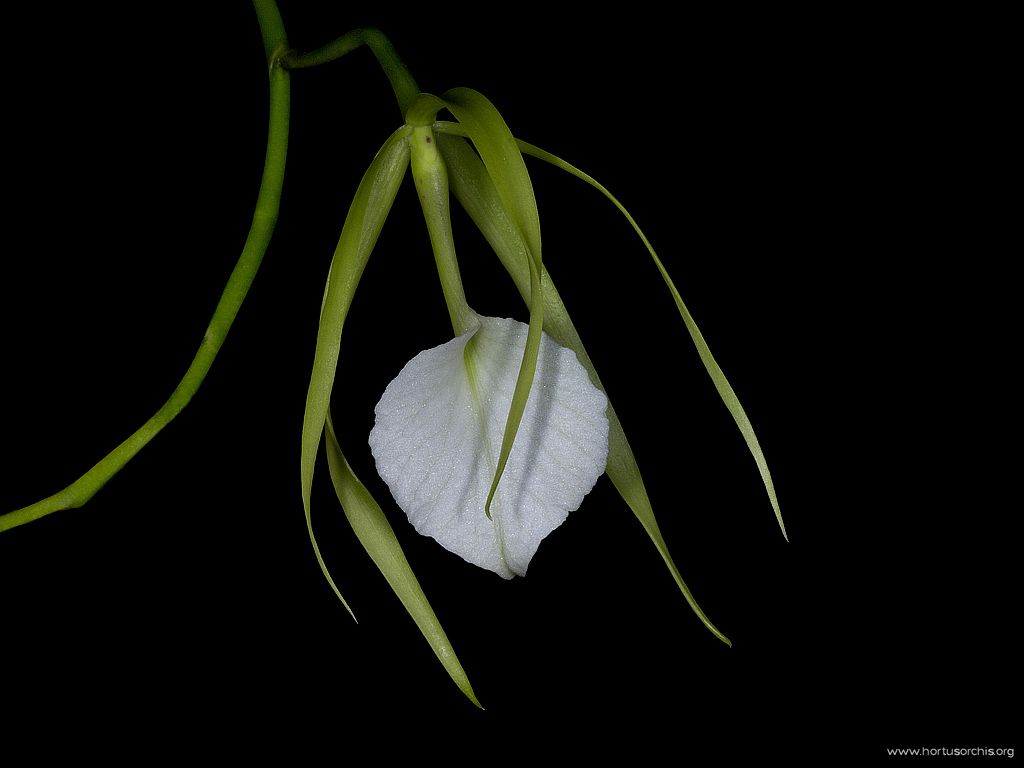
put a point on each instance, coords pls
(488, 441)
(275, 44)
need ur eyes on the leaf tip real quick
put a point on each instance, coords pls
(782, 525)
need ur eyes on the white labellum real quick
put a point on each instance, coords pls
(438, 436)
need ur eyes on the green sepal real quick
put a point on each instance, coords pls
(473, 189)
(722, 385)
(366, 216)
(374, 532)
(501, 155)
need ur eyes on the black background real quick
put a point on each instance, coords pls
(794, 174)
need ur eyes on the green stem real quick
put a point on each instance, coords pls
(271, 28)
(265, 216)
(402, 81)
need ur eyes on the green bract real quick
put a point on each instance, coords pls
(522, 473)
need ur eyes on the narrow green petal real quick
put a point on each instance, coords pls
(359, 234)
(507, 171)
(725, 390)
(524, 382)
(374, 532)
(502, 157)
(472, 187)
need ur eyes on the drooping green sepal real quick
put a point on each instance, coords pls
(366, 216)
(474, 190)
(722, 385)
(374, 532)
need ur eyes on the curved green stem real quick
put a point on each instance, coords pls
(275, 41)
(264, 218)
(402, 81)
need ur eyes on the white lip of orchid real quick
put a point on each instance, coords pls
(439, 430)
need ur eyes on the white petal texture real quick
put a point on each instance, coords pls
(438, 435)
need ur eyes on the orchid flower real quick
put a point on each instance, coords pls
(486, 441)
(489, 440)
